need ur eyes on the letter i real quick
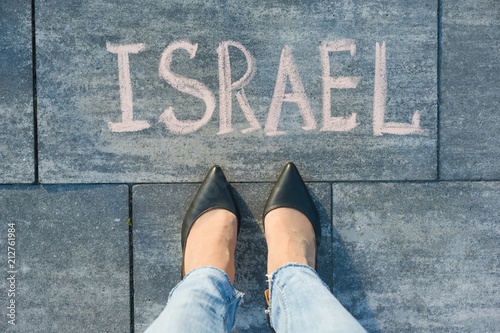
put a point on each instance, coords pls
(128, 124)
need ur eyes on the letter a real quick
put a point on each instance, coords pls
(288, 69)
(186, 85)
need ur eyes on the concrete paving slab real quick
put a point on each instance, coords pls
(158, 212)
(418, 257)
(130, 92)
(65, 259)
(16, 94)
(470, 121)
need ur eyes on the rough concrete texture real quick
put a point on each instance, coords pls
(71, 259)
(401, 255)
(418, 257)
(470, 117)
(80, 94)
(16, 93)
(158, 214)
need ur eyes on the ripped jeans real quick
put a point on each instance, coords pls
(206, 301)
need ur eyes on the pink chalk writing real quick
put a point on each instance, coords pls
(380, 101)
(288, 70)
(128, 124)
(288, 74)
(186, 85)
(226, 88)
(331, 123)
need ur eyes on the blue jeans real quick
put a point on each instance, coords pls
(206, 301)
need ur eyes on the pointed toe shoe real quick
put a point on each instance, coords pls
(214, 193)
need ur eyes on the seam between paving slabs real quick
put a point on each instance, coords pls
(430, 181)
(35, 95)
(438, 82)
(131, 257)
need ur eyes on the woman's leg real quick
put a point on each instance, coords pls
(204, 301)
(299, 300)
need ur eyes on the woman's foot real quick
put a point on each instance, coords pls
(290, 238)
(210, 226)
(212, 242)
(291, 221)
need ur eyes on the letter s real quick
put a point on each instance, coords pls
(186, 85)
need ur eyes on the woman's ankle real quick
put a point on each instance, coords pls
(290, 239)
(212, 242)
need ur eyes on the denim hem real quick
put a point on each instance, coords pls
(234, 295)
(293, 264)
(204, 297)
(274, 282)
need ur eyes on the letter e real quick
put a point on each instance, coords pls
(339, 124)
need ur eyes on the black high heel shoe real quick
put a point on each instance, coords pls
(213, 193)
(290, 191)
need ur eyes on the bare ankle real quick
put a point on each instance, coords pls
(212, 242)
(290, 238)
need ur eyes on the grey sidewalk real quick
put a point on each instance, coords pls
(390, 109)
